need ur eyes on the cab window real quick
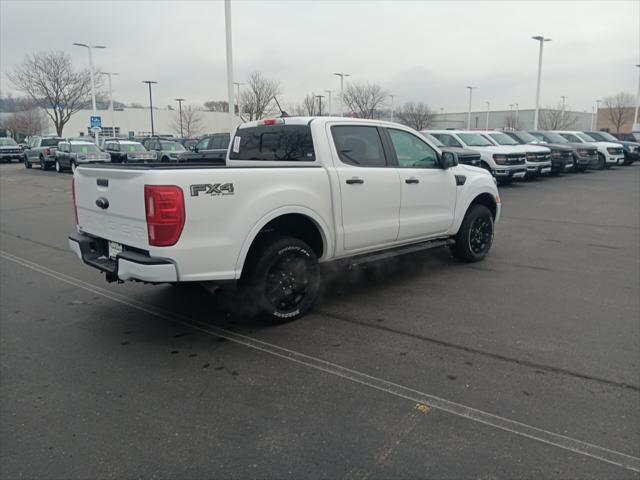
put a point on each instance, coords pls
(412, 152)
(359, 145)
(446, 139)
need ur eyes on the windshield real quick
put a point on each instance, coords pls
(553, 137)
(603, 136)
(526, 137)
(474, 140)
(132, 147)
(586, 137)
(503, 139)
(89, 148)
(572, 138)
(5, 142)
(172, 146)
(434, 140)
(50, 142)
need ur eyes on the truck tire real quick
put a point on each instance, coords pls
(59, 168)
(43, 164)
(27, 164)
(282, 278)
(474, 239)
(602, 163)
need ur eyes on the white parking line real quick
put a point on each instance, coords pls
(580, 447)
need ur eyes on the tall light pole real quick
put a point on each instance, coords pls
(329, 92)
(90, 48)
(517, 112)
(486, 126)
(113, 115)
(319, 97)
(564, 99)
(149, 82)
(594, 115)
(342, 75)
(238, 84)
(540, 39)
(391, 107)
(227, 27)
(469, 111)
(635, 115)
(180, 100)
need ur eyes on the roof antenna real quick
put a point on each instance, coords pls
(283, 114)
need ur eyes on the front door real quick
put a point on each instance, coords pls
(428, 197)
(369, 187)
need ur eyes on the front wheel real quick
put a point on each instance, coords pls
(474, 239)
(27, 164)
(282, 278)
(59, 168)
(602, 163)
(73, 167)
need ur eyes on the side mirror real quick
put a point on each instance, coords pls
(448, 160)
(25, 147)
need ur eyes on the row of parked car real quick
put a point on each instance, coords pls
(508, 155)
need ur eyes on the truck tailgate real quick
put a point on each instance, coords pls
(110, 204)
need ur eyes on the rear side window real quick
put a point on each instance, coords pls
(283, 143)
(49, 142)
(359, 145)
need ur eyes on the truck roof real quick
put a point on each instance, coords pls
(308, 120)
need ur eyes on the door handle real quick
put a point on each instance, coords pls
(354, 180)
(412, 180)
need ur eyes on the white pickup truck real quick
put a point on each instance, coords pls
(294, 192)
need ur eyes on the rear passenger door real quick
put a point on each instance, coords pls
(369, 187)
(428, 196)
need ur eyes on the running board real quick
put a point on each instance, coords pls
(394, 252)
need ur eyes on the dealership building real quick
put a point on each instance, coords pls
(502, 118)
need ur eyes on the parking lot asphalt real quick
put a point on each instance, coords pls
(526, 365)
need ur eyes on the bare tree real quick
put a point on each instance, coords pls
(511, 122)
(417, 115)
(191, 121)
(556, 118)
(217, 106)
(309, 104)
(619, 109)
(363, 99)
(256, 100)
(50, 81)
(28, 119)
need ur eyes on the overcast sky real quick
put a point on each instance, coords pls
(424, 51)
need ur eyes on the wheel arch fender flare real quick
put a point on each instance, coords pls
(482, 196)
(321, 225)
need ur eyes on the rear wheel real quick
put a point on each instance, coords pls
(43, 164)
(282, 278)
(73, 166)
(59, 168)
(27, 164)
(474, 239)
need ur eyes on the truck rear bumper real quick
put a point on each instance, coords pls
(127, 265)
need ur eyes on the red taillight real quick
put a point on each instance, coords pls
(47, 151)
(273, 121)
(164, 207)
(73, 195)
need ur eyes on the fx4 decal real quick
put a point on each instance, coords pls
(214, 189)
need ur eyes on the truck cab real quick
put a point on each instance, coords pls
(609, 153)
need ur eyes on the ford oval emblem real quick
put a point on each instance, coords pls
(102, 203)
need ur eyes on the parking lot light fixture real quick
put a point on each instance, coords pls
(319, 97)
(635, 115)
(517, 113)
(594, 115)
(329, 108)
(342, 75)
(469, 111)
(227, 28)
(113, 115)
(90, 48)
(238, 85)
(180, 100)
(486, 126)
(541, 40)
(391, 107)
(149, 82)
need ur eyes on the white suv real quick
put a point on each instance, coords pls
(538, 158)
(609, 153)
(504, 163)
